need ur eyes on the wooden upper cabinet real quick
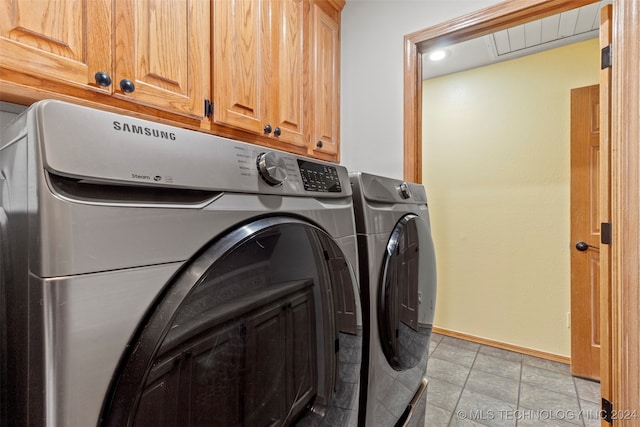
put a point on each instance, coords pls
(61, 40)
(325, 81)
(271, 67)
(258, 65)
(159, 46)
(159, 49)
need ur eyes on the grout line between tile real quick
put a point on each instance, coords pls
(575, 386)
(475, 356)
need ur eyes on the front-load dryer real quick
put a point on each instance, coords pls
(398, 288)
(156, 276)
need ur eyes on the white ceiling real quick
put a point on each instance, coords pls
(554, 31)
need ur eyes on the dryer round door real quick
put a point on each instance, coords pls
(260, 329)
(406, 293)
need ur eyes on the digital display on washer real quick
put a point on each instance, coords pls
(317, 177)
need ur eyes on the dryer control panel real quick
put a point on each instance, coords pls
(319, 177)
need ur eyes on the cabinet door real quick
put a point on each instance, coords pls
(258, 76)
(161, 48)
(287, 90)
(242, 52)
(325, 82)
(60, 40)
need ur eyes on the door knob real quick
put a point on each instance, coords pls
(583, 246)
(267, 129)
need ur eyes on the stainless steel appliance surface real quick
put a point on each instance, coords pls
(156, 276)
(398, 289)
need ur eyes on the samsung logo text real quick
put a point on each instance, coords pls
(142, 130)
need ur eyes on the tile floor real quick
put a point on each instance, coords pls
(477, 385)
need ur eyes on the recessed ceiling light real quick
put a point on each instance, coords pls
(438, 55)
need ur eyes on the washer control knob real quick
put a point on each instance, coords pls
(404, 191)
(272, 168)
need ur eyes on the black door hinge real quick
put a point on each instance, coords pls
(336, 344)
(605, 233)
(606, 412)
(208, 108)
(606, 58)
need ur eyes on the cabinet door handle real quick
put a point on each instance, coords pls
(319, 144)
(127, 86)
(277, 131)
(103, 79)
(267, 129)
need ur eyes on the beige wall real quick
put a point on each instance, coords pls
(496, 169)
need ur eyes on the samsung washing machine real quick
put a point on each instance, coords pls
(398, 288)
(156, 276)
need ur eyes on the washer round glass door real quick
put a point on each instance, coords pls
(406, 294)
(251, 332)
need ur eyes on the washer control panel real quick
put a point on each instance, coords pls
(319, 177)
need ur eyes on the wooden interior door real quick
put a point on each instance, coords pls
(606, 313)
(585, 232)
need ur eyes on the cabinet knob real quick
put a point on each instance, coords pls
(267, 129)
(103, 79)
(127, 86)
(319, 144)
(277, 131)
